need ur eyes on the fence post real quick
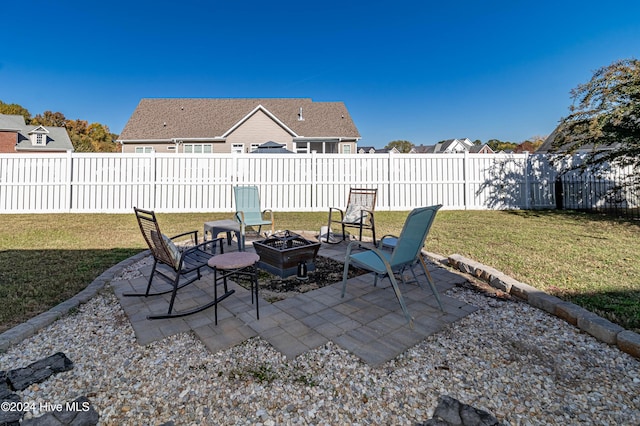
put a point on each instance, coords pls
(154, 179)
(527, 181)
(390, 184)
(465, 180)
(69, 183)
(314, 180)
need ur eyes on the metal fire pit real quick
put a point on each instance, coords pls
(281, 253)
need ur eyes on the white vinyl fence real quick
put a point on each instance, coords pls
(115, 183)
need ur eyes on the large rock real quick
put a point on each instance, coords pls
(451, 412)
(21, 378)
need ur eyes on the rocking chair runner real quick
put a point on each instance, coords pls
(358, 214)
(186, 263)
(407, 251)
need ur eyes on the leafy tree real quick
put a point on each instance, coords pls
(605, 114)
(400, 145)
(498, 145)
(530, 145)
(15, 109)
(49, 118)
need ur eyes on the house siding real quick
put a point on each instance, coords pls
(8, 142)
(259, 128)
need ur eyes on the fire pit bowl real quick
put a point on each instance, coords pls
(281, 253)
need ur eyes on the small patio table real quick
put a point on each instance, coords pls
(238, 263)
(228, 225)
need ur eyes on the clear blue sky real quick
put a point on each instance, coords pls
(415, 70)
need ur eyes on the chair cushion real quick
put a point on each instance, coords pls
(354, 214)
(174, 251)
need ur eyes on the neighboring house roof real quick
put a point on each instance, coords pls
(11, 123)
(481, 149)
(450, 146)
(271, 148)
(165, 119)
(56, 138)
(372, 150)
(547, 146)
(366, 149)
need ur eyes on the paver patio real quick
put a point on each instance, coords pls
(367, 322)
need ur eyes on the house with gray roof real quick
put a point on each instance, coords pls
(453, 146)
(18, 137)
(238, 125)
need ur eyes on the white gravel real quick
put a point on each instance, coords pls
(515, 361)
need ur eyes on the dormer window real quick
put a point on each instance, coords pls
(38, 136)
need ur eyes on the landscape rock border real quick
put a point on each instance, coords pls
(598, 327)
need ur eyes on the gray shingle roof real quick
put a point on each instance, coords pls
(57, 137)
(166, 118)
(11, 122)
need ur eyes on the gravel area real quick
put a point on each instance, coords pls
(517, 362)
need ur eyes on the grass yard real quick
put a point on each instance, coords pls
(588, 259)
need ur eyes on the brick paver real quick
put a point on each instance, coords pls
(367, 322)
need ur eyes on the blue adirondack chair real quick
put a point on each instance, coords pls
(248, 211)
(407, 251)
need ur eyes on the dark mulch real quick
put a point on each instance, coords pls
(327, 271)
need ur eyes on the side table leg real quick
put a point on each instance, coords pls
(255, 281)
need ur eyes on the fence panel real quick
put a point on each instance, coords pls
(111, 183)
(33, 183)
(116, 183)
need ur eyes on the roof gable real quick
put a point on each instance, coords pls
(251, 114)
(163, 119)
(40, 129)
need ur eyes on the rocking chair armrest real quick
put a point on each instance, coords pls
(194, 238)
(331, 209)
(369, 214)
(202, 246)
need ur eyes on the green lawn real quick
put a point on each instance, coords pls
(588, 259)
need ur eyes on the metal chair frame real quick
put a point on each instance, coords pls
(192, 260)
(407, 251)
(365, 199)
(248, 213)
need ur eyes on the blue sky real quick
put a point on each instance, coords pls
(414, 70)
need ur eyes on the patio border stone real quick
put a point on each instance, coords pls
(598, 327)
(27, 329)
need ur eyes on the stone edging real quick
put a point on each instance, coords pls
(27, 329)
(598, 327)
